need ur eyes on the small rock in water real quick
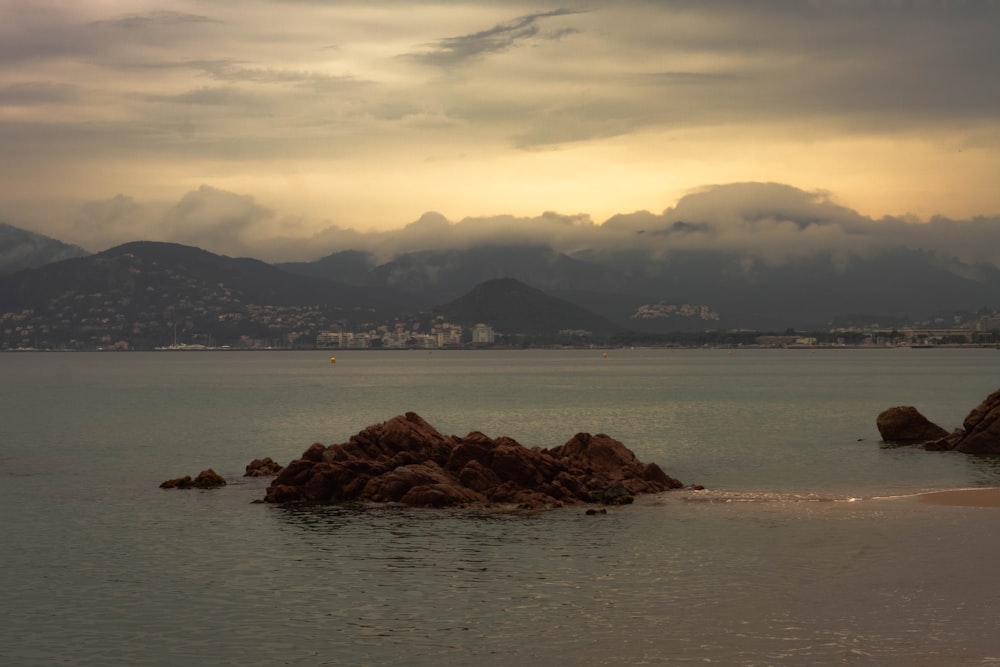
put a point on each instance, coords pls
(206, 479)
(265, 467)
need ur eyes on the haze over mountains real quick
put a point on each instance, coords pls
(21, 249)
(766, 221)
(748, 256)
(695, 290)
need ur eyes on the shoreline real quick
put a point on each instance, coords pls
(732, 347)
(963, 497)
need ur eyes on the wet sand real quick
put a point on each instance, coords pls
(964, 498)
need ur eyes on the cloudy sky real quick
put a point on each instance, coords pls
(280, 128)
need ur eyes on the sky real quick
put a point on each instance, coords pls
(285, 129)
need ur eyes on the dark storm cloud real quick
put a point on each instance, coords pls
(456, 50)
(912, 57)
(855, 67)
(244, 72)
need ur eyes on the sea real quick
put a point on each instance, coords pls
(808, 546)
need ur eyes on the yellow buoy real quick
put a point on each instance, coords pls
(605, 355)
(333, 360)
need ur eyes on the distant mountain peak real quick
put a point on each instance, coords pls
(509, 305)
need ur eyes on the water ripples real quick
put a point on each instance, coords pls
(791, 558)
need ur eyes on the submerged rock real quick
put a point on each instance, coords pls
(980, 432)
(206, 479)
(407, 460)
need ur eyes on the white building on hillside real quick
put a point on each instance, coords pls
(482, 334)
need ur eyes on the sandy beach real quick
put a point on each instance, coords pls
(964, 497)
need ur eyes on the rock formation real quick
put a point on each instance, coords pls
(406, 460)
(980, 432)
(206, 479)
(265, 467)
(904, 425)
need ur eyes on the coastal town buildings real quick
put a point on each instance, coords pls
(113, 319)
(399, 336)
(482, 334)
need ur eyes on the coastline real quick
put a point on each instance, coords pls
(963, 497)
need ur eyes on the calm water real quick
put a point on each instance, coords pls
(805, 550)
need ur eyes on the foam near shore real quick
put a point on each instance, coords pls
(964, 497)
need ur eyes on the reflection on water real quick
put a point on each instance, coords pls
(706, 577)
(324, 516)
(701, 576)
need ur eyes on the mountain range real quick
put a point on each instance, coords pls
(693, 290)
(143, 291)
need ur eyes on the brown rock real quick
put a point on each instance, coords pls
(314, 453)
(177, 483)
(946, 443)
(406, 460)
(904, 425)
(478, 477)
(607, 462)
(616, 494)
(282, 493)
(655, 474)
(982, 428)
(206, 479)
(980, 433)
(392, 486)
(322, 482)
(527, 469)
(573, 486)
(982, 411)
(265, 467)
(443, 494)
